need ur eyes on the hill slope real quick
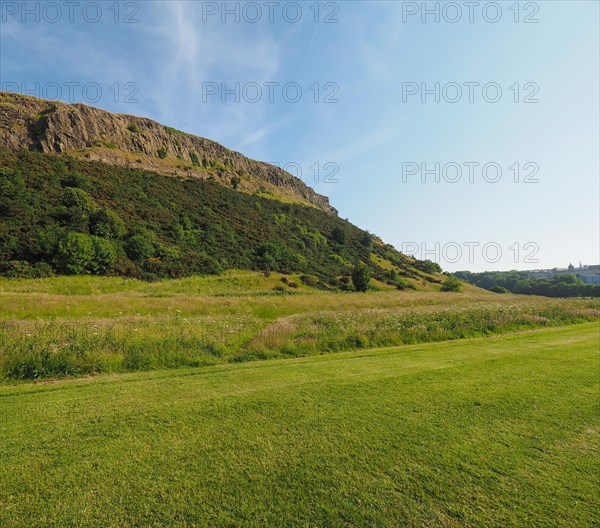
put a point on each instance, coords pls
(136, 142)
(61, 211)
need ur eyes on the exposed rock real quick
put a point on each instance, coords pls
(124, 140)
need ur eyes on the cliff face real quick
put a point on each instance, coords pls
(115, 139)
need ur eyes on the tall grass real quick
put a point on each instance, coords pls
(330, 332)
(236, 330)
(42, 349)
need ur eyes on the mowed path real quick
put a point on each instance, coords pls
(487, 432)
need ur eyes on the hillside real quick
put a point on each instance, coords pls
(84, 191)
(93, 134)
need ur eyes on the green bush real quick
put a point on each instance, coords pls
(339, 235)
(77, 180)
(428, 266)
(77, 208)
(16, 269)
(452, 284)
(139, 247)
(75, 253)
(190, 225)
(361, 275)
(104, 255)
(107, 224)
(134, 129)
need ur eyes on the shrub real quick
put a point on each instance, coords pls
(77, 180)
(74, 197)
(428, 266)
(202, 263)
(106, 224)
(134, 129)
(310, 280)
(75, 253)
(16, 269)
(452, 284)
(42, 198)
(366, 240)
(104, 255)
(361, 275)
(499, 289)
(339, 235)
(139, 247)
(42, 270)
(162, 152)
(78, 206)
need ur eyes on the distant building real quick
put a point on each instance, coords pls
(587, 274)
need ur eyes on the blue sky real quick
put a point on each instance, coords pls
(174, 52)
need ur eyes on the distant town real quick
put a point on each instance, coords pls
(587, 274)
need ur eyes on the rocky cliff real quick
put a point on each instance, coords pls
(124, 140)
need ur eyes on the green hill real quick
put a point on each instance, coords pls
(62, 215)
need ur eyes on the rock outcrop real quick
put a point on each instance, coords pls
(117, 139)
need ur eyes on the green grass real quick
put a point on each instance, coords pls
(63, 327)
(471, 433)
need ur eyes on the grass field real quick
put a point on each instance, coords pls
(481, 432)
(74, 326)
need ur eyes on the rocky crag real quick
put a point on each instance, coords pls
(135, 142)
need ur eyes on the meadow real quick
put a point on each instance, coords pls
(75, 326)
(467, 433)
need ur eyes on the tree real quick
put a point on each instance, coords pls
(106, 224)
(366, 240)
(428, 266)
(361, 274)
(452, 284)
(79, 207)
(339, 235)
(75, 253)
(139, 247)
(104, 255)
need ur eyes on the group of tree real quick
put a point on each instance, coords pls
(520, 282)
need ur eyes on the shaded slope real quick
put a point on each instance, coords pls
(142, 224)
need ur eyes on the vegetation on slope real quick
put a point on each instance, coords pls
(67, 216)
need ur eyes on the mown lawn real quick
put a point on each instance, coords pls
(485, 432)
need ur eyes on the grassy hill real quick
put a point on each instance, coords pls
(474, 433)
(61, 215)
